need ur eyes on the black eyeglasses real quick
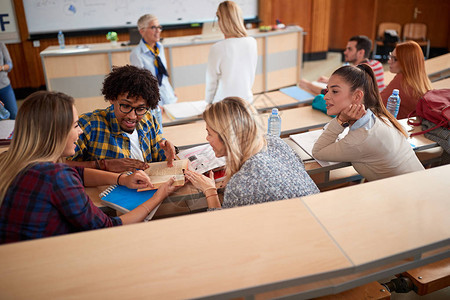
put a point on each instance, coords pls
(139, 111)
(160, 28)
(392, 57)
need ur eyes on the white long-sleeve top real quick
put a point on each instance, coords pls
(231, 69)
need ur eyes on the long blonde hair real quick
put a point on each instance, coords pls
(362, 77)
(411, 60)
(239, 127)
(40, 134)
(230, 19)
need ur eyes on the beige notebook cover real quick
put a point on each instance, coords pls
(160, 173)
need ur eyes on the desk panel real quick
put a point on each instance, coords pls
(279, 62)
(76, 65)
(383, 218)
(261, 244)
(438, 67)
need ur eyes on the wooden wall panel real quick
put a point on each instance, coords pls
(320, 24)
(349, 18)
(295, 12)
(434, 13)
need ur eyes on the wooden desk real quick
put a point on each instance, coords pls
(202, 254)
(262, 102)
(438, 67)
(410, 217)
(441, 84)
(373, 230)
(293, 120)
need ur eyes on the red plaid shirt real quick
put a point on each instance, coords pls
(48, 199)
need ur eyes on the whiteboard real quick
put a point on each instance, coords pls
(47, 16)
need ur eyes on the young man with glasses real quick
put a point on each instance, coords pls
(125, 136)
(149, 54)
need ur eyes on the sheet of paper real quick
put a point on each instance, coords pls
(6, 129)
(181, 110)
(322, 85)
(297, 93)
(202, 158)
(307, 140)
(160, 173)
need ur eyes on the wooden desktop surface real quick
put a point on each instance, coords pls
(324, 236)
(441, 84)
(185, 257)
(384, 218)
(293, 120)
(262, 102)
(437, 64)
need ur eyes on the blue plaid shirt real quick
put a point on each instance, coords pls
(48, 199)
(102, 137)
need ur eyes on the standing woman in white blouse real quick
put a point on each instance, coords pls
(231, 62)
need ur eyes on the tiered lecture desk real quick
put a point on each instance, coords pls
(343, 172)
(441, 84)
(293, 120)
(438, 67)
(79, 70)
(325, 243)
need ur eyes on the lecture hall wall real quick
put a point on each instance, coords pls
(328, 25)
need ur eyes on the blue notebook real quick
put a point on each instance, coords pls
(124, 199)
(298, 94)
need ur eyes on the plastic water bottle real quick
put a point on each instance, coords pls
(274, 126)
(4, 113)
(393, 103)
(61, 41)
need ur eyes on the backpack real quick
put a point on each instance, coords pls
(434, 106)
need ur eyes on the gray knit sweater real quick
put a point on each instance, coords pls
(274, 173)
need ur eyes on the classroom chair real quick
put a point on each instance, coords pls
(417, 32)
(380, 38)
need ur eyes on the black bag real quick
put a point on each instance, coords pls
(390, 37)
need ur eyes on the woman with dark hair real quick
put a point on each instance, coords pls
(39, 195)
(376, 143)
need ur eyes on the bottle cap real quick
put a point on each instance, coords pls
(274, 111)
(395, 92)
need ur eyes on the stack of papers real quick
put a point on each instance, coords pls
(182, 110)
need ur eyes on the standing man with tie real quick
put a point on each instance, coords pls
(149, 54)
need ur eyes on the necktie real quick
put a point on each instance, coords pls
(160, 69)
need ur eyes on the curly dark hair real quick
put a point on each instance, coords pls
(137, 82)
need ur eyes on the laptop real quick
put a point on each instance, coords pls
(135, 36)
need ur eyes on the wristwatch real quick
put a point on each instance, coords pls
(343, 124)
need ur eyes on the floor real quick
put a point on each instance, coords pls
(312, 70)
